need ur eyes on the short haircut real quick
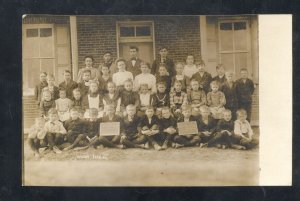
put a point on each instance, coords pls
(161, 65)
(107, 52)
(130, 106)
(194, 80)
(128, 81)
(226, 111)
(50, 77)
(52, 111)
(200, 63)
(165, 108)
(214, 83)
(220, 66)
(62, 89)
(120, 60)
(145, 63)
(67, 71)
(186, 107)
(94, 82)
(86, 71)
(243, 69)
(190, 55)
(228, 73)
(149, 107)
(76, 90)
(179, 63)
(241, 112)
(89, 56)
(134, 47)
(44, 73)
(104, 66)
(161, 83)
(73, 109)
(110, 82)
(177, 82)
(163, 47)
(46, 90)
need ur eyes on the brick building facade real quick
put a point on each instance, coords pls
(56, 43)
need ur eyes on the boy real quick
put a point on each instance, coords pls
(220, 78)
(185, 81)
(244, 91)
(207, 125)
(109, 62)
(167, 127)
(36, 136)
(162, 76)
(55, 131)
(85, 84)
(52, 88)
(204, 78)
(165, 60)
(110, 141)
(88, 61)
(224, 129)
(161, 98)
(145, 78)
(104, 79)
(38, 88)
(216, 100)
(130, 137)
(148, 127)
(229, 90)
(243, 134)
(112, 97)
(187, 140)
(145, 99)
(178, 98)
(46, 103)
(63, 105)
(122, 75)
(75, 129)
(68, 84)
(196, 97)
(190, 68)
(134, 64)
(128, 96)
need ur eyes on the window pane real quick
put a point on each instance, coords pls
(46, 32)
(239, 25)
(31, 33)
(127, 31)
(240, 61)
(227, 61)
(226, 37)
(240, 36)
(143, 31)
(226, 26)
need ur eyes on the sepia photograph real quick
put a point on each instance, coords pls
(141, 100)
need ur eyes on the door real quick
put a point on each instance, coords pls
(139, 34)
(234, 45)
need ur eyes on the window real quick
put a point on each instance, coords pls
(234, 44)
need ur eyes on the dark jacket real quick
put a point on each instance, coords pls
(211, 126)
(166, 123)
(69, 87)
(145, 123)
(91, 128)
(129, 97)
(244, 91)
(136, 69)
(230, 95)
(38, 90)
(129, 128)
(74, 127)
(204, 81)
(160, 100)
(225, 125)
(169, 65)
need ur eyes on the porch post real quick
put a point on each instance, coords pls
(74, 46)
(203, 38)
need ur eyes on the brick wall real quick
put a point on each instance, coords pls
(97, 34)
(30, 111)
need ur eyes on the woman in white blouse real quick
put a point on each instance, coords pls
(145, 78)
(122, 75)
(190, 68)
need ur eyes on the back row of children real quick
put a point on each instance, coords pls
(140, 131)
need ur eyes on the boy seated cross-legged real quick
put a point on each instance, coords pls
(130, 138)
(187, 140)
(36, 136)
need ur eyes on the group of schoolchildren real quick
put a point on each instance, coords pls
(147, 101)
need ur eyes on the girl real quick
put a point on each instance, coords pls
(145, 78)
(185, 81)
(112, 97)
(190, 68)
(103, 79)
(122, 75)
(88, 60)
(93, 100)
(63, 105)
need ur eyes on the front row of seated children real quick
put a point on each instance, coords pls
(140, 131)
